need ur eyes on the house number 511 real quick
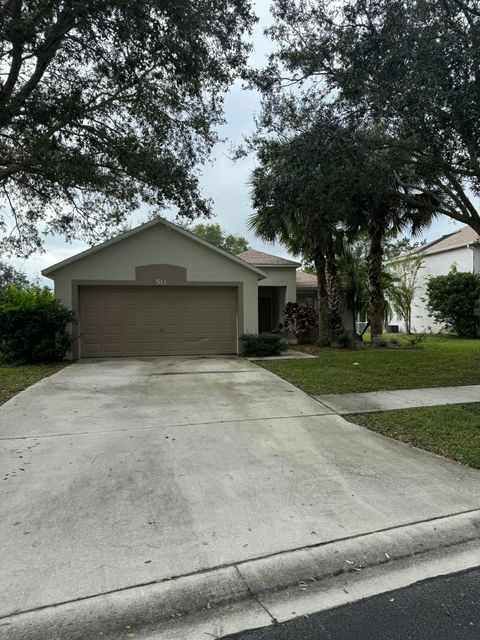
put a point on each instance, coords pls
(160, 281)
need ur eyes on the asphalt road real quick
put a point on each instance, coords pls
(445, 608)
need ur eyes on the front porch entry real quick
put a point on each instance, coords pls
(271, 302)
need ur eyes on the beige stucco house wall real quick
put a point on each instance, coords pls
(159, 243)
(281, 277)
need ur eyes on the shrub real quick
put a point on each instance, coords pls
(454, 301)
(379, 342)
(346, 340)
(416, 340)
(301, 320)
(265, 344)
(33, 325)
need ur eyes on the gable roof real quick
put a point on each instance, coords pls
(461, 238)
(261, 259)
(306, 280)
(143, 227)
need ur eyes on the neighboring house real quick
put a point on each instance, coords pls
(306, 287)
(460, 248)
(160, 290)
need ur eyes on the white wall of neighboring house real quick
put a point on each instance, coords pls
(466, 258)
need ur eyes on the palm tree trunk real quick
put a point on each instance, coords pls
(333, 292)
(375, 260)
(322, 296)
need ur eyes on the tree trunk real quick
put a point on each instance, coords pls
(323, 319)
(333, 292)
(375, 260)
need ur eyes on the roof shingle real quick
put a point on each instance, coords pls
(307, 280)
(261, 259)
(460, 238)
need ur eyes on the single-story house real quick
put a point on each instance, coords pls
(460, 248)
(160, 290)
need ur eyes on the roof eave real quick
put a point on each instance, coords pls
(463, 245)
(293, 265)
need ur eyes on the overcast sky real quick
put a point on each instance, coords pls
(225, 181)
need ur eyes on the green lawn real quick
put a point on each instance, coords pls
(452, 431)
(443, 361)
(15, 379)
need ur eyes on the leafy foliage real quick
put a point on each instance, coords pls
(106, 103)
(353, 275)
(454, 301)
(347, 340)
(262, 345)
(405, 270)
(326, 181)
(33, 325)
(301, 320)
(10, 275)
(214, 234)
(411, 65)
(394, 247)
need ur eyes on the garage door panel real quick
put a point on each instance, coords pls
(157, 321)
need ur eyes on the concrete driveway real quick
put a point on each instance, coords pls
(124, 472)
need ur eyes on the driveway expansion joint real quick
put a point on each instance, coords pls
(167, 426)
(196, 373)
(254, 596)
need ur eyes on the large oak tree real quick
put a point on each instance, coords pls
(413, 65)
(107, 103)
(317, 179)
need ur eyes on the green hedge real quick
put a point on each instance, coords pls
(34, 325)
(262, 345)
(454, 301)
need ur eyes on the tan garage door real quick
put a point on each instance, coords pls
(146, 321)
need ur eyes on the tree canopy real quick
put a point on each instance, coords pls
(10, 275)
(454, 301)
(214, 234)
(104, 104)
(413, 67)
(325, 181)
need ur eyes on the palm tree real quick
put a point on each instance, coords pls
(333, 286)
(334, 178)
(387, 214)
(353, 277)
(300, 233)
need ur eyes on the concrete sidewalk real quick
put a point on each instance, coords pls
(347, 403)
